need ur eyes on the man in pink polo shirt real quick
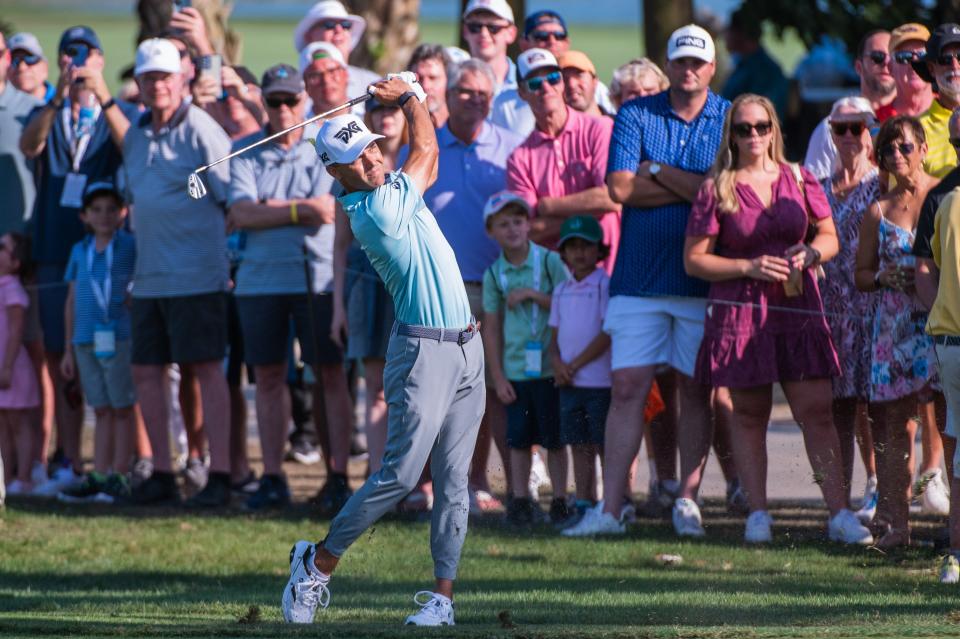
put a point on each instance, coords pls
(560, 169)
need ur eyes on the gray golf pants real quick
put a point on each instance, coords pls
(435, 397)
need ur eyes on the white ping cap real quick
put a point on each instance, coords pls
(157, 54)
(691, 41)
(342, 139)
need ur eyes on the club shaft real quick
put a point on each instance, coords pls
(345, 105)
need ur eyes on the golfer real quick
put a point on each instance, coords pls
(433, 379)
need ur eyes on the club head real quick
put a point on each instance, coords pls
(195, 187)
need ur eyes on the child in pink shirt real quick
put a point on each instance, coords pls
(580, 350)
(19, 391)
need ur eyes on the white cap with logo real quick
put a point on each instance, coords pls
(24, 41)
(342, 139)
(691, 41)
(499, 8)
(534, 59)
(498, 201)
(157, 54)
(319, 51)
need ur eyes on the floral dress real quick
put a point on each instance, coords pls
(904, 360)
(849, 311)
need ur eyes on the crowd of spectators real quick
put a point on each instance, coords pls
(645, 262)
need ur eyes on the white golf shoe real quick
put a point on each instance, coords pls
(435, 610)
(306, 590)
(596, 522)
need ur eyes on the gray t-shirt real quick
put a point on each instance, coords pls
(272, 259)
(16, 176)
(181, 243)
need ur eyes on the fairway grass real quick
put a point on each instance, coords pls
(96, 573)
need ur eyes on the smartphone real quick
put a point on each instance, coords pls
(211, 65)
(180, 5)
(78, 53)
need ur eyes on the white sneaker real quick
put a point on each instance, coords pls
(539, 477)
(846, 528)
(686, 518)
(596, 522)
(17, 487)
(868, 507)
(63, 479)
(758, 528)
(306, 590)
(934, 494)
(436, 610)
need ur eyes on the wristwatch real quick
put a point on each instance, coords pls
(406, 96)
(655, 170)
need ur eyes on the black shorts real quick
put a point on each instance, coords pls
(534, 418)
(266, 322)
(185, 330)
(583, 415)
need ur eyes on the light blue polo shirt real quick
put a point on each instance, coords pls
(401, 237)
(272, 260)
(467, 176)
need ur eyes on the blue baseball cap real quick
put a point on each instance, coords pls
(537, 18)
(104, 187)
(82, 34)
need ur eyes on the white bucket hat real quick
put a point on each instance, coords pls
(328, 9)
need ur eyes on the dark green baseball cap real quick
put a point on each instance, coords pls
(585, 227)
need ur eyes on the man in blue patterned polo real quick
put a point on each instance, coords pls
(661, 149)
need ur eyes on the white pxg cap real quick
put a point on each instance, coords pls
(691, 41)
(342, 139)
(157, 54)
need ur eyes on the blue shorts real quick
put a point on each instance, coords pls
(534, 418)
(583, 415)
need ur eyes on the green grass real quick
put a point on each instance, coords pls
(96, 573)
(266, 42)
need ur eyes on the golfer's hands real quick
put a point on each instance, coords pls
(504, 389)
(388, 91)
(190, 24)
(768, 268)
(67, 367)
(338, 325)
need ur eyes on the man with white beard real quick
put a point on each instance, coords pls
(941, 66)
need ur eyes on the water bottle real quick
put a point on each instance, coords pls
(88, 114)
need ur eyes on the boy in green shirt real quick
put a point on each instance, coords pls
(517, 290)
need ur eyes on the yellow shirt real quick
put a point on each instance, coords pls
(941, 158)
(944, 318)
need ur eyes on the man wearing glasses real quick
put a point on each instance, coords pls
(941, 67)
(28, 67)
(280, 197)
(908, 45)
(873, 65)
(328, 21)
(489, 29)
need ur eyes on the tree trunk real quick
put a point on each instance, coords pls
(519, 13)
(392, 34)
(660, 19)
(154, 18)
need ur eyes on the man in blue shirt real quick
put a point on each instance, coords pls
(76, 139)
(662, 146)
(433, 378)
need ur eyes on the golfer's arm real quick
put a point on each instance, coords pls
(343, 237)
(34, 136)
(421, 164)
(629, 189)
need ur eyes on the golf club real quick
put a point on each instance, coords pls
(197, 190)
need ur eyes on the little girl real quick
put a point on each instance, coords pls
(18, 382)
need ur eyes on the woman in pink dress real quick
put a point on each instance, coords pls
(765, 323)
(19, 391)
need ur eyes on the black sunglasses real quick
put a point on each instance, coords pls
(330, 25)
(878, 57)
(841, 128)
(944, 59)
(534, 84)
(905, 149)
(29, 60)
(543, 36)
(274, 102)
(906, 57)
(744, 129)
(477, 27)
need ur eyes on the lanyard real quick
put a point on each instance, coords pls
(78, 147)
(102, 295)
(535, 311)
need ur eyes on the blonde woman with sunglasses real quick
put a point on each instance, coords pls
(747, 236)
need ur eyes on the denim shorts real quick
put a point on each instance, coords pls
(583, 415)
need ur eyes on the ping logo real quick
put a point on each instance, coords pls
(691, 41)
(347, 132)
